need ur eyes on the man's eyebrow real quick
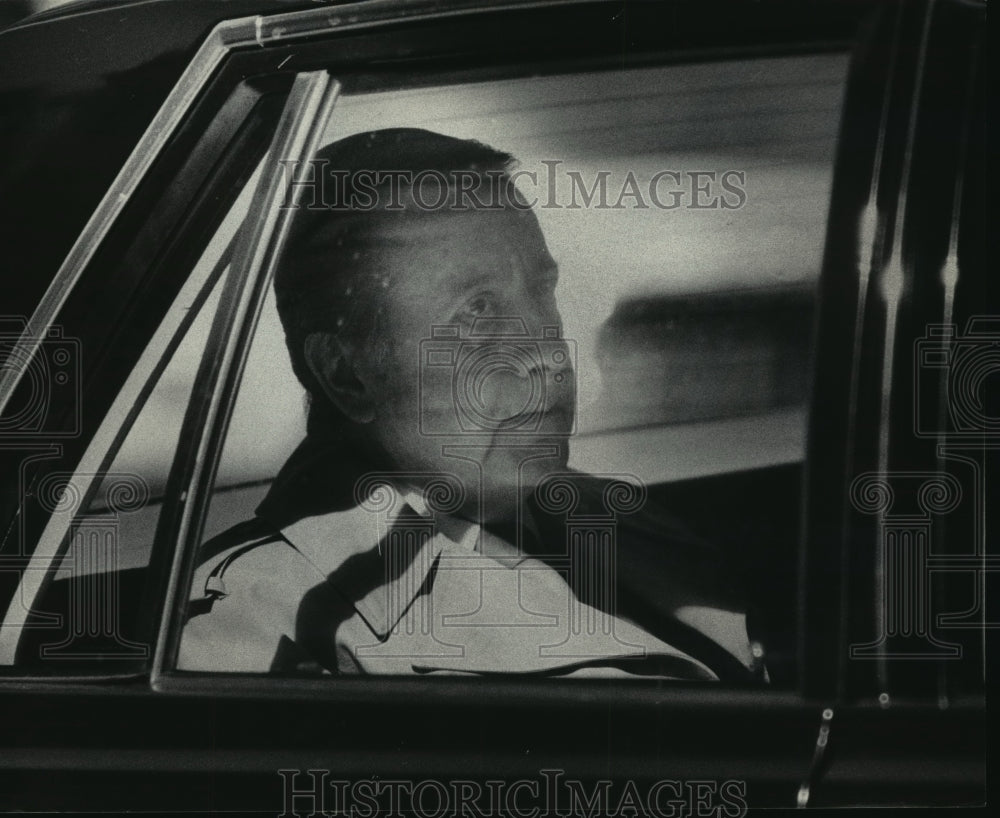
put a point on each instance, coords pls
(471, 279)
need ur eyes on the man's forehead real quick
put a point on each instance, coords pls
(453, 244)
(456, 227)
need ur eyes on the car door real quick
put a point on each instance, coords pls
(167, 289)
(902, 275)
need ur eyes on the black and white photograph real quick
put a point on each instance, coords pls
(534, 408)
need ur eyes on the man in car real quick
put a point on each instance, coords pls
(428, 523)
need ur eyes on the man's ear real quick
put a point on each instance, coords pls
(331, 363)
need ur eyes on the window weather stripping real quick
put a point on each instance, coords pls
(297, 138)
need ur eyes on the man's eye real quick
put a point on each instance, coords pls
(546, 283)
(477, 307)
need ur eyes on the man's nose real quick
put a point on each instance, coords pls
(556, 357)
(542, 318)
(524, 381)
(539, 332)
(545, 362)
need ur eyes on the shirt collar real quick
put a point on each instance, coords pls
(380, 560)
(311, 503)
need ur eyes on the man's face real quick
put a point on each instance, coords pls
(467, 370)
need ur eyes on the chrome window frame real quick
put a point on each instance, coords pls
(307, 111)
(229, 36)
(106, 442)
(243, 34)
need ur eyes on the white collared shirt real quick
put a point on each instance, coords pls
(487, 607)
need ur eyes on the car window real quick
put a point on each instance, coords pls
(688, 234)
(552, 381)
(103, 521)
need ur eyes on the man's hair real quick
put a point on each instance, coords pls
(331, 259)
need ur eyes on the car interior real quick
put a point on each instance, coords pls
(692, 326)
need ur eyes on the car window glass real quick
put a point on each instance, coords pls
(645, 289)
(688, 233)
(87, 611)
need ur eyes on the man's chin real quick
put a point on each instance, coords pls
(548, 455)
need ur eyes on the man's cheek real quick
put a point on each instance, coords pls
(394, 383)
(433, 401)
